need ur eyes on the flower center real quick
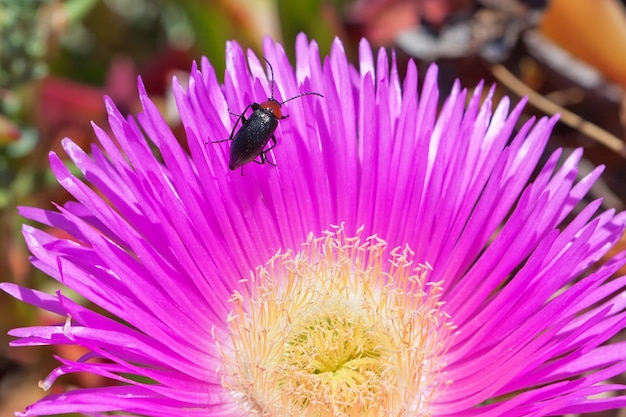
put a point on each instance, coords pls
(344, 328)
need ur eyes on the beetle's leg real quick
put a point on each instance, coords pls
(240, 118)
(243, 113)
(273, 139)
(223, 140)
(264, 159)
(263, 153)
(270, 162)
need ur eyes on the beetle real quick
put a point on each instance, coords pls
(250, 141)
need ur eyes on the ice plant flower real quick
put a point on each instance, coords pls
(400, 260)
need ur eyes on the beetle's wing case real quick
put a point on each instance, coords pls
(251, 139)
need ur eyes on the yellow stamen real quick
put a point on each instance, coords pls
(343, 328)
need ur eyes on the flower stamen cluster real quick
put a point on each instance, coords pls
(337, 330)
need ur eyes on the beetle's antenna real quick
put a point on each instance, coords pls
(272, 71)
(289, 99)
(300, 95)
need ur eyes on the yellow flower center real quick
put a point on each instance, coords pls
(343, 328)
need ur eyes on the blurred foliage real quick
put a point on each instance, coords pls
(23, 46)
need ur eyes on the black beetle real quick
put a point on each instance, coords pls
(257, 130)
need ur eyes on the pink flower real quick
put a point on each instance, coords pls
(397, 261)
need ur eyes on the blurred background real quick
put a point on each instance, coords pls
(58, 58)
